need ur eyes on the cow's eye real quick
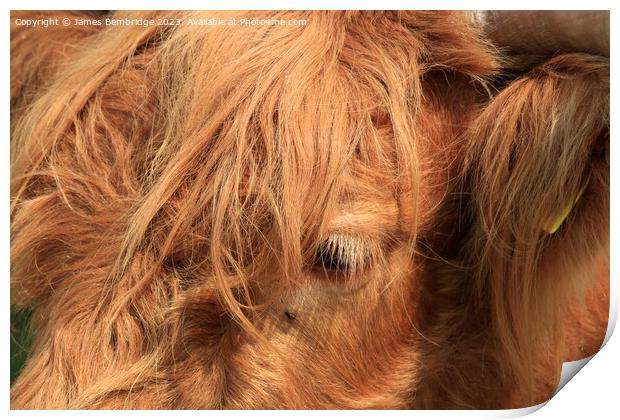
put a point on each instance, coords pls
(328, 257)
(342, 254)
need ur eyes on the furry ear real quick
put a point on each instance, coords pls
(539, 168)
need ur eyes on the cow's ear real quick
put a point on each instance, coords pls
(539, 182)
(41, 41)
(539, 156)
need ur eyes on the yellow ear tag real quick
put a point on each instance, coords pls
(554, 223)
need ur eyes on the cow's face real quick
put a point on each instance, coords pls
(329, 215)
(348, 187)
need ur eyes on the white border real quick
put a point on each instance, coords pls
(593, 393)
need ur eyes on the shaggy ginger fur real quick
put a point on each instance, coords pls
(346, 214)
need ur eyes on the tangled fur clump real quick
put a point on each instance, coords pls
(346, 214)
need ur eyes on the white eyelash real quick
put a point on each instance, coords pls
(354, 252)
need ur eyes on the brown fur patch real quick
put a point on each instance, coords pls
(339, 215)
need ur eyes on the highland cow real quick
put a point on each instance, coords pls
(403, 209)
